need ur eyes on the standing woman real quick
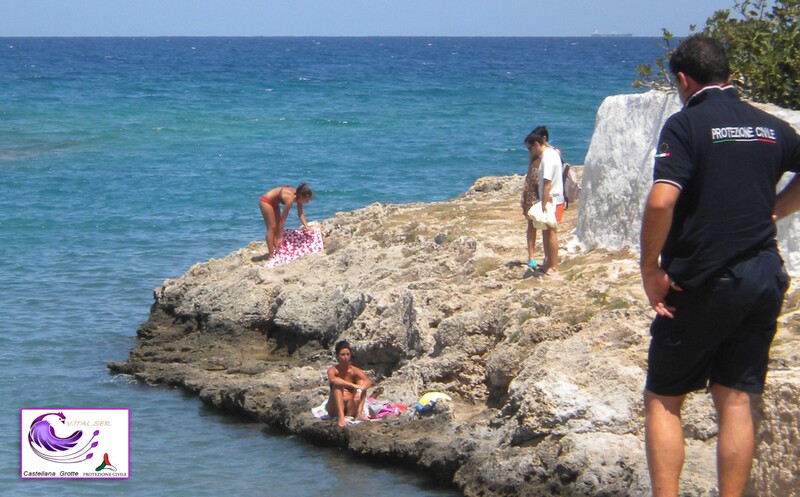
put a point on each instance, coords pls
(270, 205)
(530, 194)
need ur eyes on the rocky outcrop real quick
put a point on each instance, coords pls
(545, 374)
(618, 172)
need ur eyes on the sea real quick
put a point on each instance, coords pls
(123, 161)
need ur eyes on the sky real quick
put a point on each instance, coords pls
(351, 17)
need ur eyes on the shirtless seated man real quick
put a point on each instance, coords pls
(348, 387)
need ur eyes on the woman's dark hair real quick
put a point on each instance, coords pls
(701, 58)
(534, 137)
(304, 191)
(342, 345)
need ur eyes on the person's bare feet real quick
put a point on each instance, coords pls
(342, 422)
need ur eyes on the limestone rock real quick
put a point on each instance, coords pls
(618, 172)
(545, 374)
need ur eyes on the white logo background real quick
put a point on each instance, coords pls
(50, 447)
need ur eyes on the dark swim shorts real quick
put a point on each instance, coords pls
(721, 332)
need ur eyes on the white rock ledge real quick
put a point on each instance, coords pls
(618, 172)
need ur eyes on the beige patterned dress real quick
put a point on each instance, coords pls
(530, 190)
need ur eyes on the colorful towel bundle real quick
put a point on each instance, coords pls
(373, 409)
(427, 401)
(296, 244)
(378, 409)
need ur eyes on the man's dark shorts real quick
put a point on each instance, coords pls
(721, 332)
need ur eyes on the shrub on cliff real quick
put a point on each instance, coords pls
(762, 40)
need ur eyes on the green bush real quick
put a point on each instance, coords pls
(660, 77)
(762, 41)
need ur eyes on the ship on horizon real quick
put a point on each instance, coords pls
(612, 34)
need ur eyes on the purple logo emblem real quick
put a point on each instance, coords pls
(46, 444)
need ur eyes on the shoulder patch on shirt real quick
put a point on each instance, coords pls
(663, 150)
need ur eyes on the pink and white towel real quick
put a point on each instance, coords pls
(296, 244)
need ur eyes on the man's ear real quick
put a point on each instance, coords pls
(682, 79)
(687, 86)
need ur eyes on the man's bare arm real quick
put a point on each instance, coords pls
(655, 228)
(546, 192)
(788, 201)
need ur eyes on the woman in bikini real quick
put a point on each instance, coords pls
(270, 205)
(349, 387)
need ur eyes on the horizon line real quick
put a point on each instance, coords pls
(336, 36)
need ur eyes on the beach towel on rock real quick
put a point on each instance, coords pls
(321, 412)
(380, 409)
(296, 244)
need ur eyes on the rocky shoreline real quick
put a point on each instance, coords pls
(546, 374)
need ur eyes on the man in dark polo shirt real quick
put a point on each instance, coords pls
(718, 288)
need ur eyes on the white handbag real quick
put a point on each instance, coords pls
(543, 219)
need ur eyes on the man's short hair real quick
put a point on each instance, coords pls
(342, 345)
(702, 58)
(541, 130)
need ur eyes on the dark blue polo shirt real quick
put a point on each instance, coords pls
(727, 157)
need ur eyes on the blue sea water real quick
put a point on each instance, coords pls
(125, 160)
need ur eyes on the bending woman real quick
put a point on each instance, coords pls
(270, 204)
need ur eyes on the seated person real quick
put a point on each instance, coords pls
(348, 387)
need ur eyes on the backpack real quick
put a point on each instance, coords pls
(572, 187)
